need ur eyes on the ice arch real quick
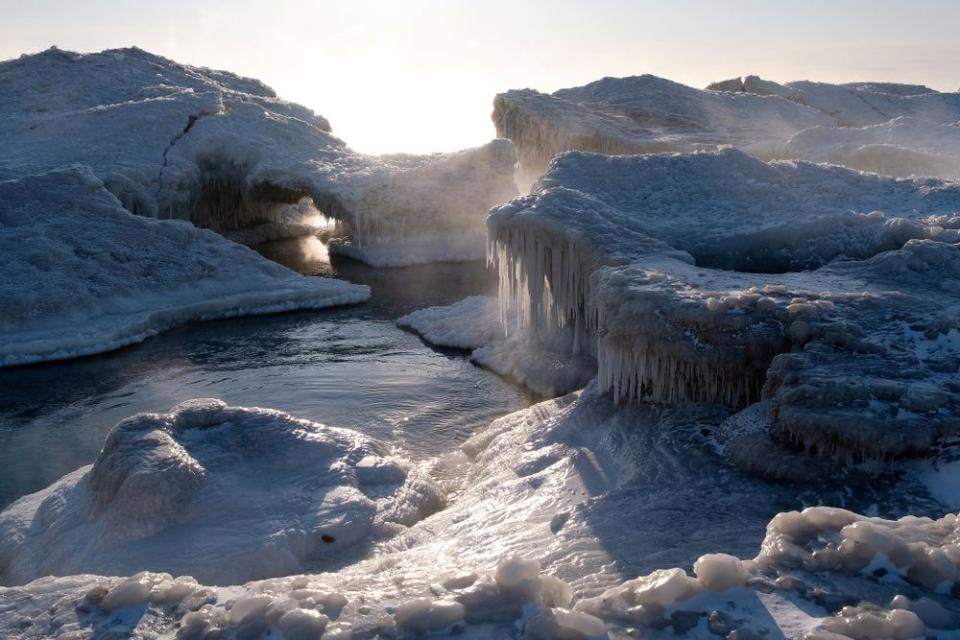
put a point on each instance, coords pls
(174, 141)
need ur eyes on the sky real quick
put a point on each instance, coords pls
(420, 75)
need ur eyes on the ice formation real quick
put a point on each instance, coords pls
(475, 324)
(174, 141)
(642, 114)
(857, 104)
(716, 277)
(223, 494)
(536, 544)
(468, 324)
(904, 146)
(646, 114)
(82, 275)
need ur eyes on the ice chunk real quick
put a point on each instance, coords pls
(103, 278)
(719, 571)
(689, 278)
(468, 324)
(224, 152)
(225, 494)
(475, 323)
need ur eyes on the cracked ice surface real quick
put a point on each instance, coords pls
(224, 494)
(82, 275)
(175, 141)
(646, 114)
(858, 357)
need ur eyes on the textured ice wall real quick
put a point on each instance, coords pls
(81, 275)
(224, 494)
(646, 114)
(175, 141)
(656, 265)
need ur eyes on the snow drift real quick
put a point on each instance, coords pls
(646, 114)
(224, 494)
(708, 278)
(174, 141)
(82, 275)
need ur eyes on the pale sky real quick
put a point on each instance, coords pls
(420, 75)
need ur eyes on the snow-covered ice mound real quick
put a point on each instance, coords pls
(903, 146)
(175, 141)
(643, 114)
(81, 275)
(665, 267)
(542, 541)
(225, 494)
(474, 323)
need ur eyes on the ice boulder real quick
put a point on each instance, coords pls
(82, 275)
(175, 141)
(225, 494)
(716, 277)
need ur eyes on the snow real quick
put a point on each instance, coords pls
(642, 114)
(468, 324)
(903, 146)
(498, 566)
(689, 277)
(474, 323)
(174, 141)
(224, 494)
(103, 278)
(647, 114)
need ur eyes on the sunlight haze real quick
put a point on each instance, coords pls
(420, 76)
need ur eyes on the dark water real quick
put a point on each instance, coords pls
(346, 367)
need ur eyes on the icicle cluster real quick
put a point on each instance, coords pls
(544, 285)
(646, 370)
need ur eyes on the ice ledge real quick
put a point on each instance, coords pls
(105, 278)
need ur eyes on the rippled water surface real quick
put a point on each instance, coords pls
(346, 367)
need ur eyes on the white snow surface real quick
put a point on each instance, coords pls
(82, 275)
(651, 264)
(474, 323)
(537, 541)
(224, 494)
(468, 324)
(904, 146)
(643, 114)
(858, 104)
(175, 141)
(647, 114)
